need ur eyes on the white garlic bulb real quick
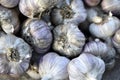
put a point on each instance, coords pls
(34, 8)
(9, 3)
(74, 12)
(102, 50)
(9, 20)
(104, 27)
(15, 55)
(111, 5)
(86, 67)
(37, 33)
(116, 40)
(53, 67)
(68, 39)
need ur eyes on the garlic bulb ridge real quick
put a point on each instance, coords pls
(86, 67)
(68, 40)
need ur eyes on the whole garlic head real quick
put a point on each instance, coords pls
(53, 67)
(9, 20)
(86, 67)
(37, 33)
(15, 55)
(68, 39)
(104, 27)
(74, 12)
(102, 50)
(9, 3)
(34, 8)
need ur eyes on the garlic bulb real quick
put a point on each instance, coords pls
(104, 27)
(111, 5)
(33, 72)
(34, 8)
(102, 50)
(68, 39)
(116, 40)
(15, 55)
(86, 67)
(9, 3)
(53, 67)
(92, 2)
(9, 20)
(37, 33)
(74, 12)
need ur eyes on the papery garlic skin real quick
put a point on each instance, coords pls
(92, 2)
(34, 8)
(111, 5)
(68, 40)
(53, 67)
(86, 67)
(9, 3)
(9, 20)
(37, 33)
(105, 28)
(74, 12)
(102, 50)
(15, 55)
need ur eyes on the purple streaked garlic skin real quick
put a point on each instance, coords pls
(68, 40)
(37, 33)
(9, 20)
(14, 56)
(9, 3)
(74, 12)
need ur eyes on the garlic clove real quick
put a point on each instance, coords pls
(92, 2)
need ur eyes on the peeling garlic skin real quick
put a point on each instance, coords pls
(37, 33)
(53, 67)
(15, 55)
(105, 28)
(68, 40)
(9, 20)
(74, 12)
(86, 67)
(9, 3)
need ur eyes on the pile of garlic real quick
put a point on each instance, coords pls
(58, 39)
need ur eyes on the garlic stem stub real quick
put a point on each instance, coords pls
(15, 55)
